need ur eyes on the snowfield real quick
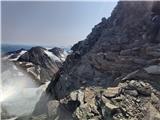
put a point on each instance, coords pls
(21, 53)
(52, 56)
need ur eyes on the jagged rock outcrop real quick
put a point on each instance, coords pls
(121, 51)
(135, 101)
(116, 46)
(132, 98)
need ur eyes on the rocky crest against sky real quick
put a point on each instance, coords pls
(113, 73)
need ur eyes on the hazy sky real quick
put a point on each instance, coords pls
(50, 23)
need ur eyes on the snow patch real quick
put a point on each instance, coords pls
(29, 64)
(31, 70)
(14, 67)
(7, 57)
(21, 53)
(14, 118)
(63, 56)
(52, 56)
(20, 74)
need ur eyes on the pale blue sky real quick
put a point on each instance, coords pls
(51, 23)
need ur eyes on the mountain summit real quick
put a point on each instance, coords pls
(114, 72)
(117, 46)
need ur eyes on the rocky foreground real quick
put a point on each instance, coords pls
(136, 97)
(113, 74)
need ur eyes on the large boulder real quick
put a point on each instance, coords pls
(112, 92)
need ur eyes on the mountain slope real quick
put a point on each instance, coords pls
(40, 63)
(126, 45)
(121, 46)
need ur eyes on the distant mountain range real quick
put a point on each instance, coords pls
(9, 47)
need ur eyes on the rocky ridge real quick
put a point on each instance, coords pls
(115, 47)
(112, 74)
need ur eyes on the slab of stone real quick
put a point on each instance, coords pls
(154, 69)
(112, 92)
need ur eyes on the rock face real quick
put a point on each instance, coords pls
(92, 103)
(115, 47)
(39, 56)
(44, 61)
(60, 53)
(114, 72)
